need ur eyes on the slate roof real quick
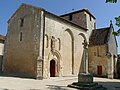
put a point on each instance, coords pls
(99, 36)
(2, 37)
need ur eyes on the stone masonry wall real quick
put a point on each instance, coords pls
(83, 19)
(78, 18)
(97, 57)
(20, 56)
(68, 48)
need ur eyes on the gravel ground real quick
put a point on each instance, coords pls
(54, 83)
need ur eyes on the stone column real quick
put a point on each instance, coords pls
(85, 77)
(85, 46)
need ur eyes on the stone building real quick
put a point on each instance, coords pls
(103, 53)
(2, 38)
(40, 44)
(118, 65)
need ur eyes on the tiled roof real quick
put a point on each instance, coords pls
(86, 10)
(2, 37)
(99, 36)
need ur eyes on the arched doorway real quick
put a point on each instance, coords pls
(52, 68)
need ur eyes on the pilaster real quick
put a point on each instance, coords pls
(40, 58)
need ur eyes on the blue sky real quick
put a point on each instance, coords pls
(104, 12)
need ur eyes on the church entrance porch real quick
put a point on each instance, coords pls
(52, 68)
(53, 64)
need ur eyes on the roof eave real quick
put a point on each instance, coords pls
(66, 20)
(77, 12)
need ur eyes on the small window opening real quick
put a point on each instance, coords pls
(59, 43)
(90, 18)
(94, 25)
(21, 36)
(70, 17)
(98, 52)
(21, 22)
(47, 41)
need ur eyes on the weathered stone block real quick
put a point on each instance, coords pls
(85, 78)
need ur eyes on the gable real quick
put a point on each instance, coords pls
(22, 9)
(112, 37)
(112, 43)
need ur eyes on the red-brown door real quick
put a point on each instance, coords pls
(99, 70)
(52, 68)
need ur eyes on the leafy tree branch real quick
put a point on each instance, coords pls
(111, 1)
(117, 33)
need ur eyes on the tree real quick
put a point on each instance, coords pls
(117, 33)
(111, 1)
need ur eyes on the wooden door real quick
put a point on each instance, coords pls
(99, 70)
(52, 68)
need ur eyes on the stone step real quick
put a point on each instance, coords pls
(87, 86)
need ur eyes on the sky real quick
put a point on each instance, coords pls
(104, 12)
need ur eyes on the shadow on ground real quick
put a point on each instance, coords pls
(110, 85)
(15, 75)
(55, 87)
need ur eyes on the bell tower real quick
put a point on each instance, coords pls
(82, 18)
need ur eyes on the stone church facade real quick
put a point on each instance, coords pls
(40, 44)
(103, 53)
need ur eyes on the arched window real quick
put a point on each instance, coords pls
(21, 36)
(59, 43)
(53, 42)
(21, 22)
(46, 41)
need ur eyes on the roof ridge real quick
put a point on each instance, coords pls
(86, 10)
(102, 28)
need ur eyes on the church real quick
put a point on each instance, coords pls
(40, 44)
